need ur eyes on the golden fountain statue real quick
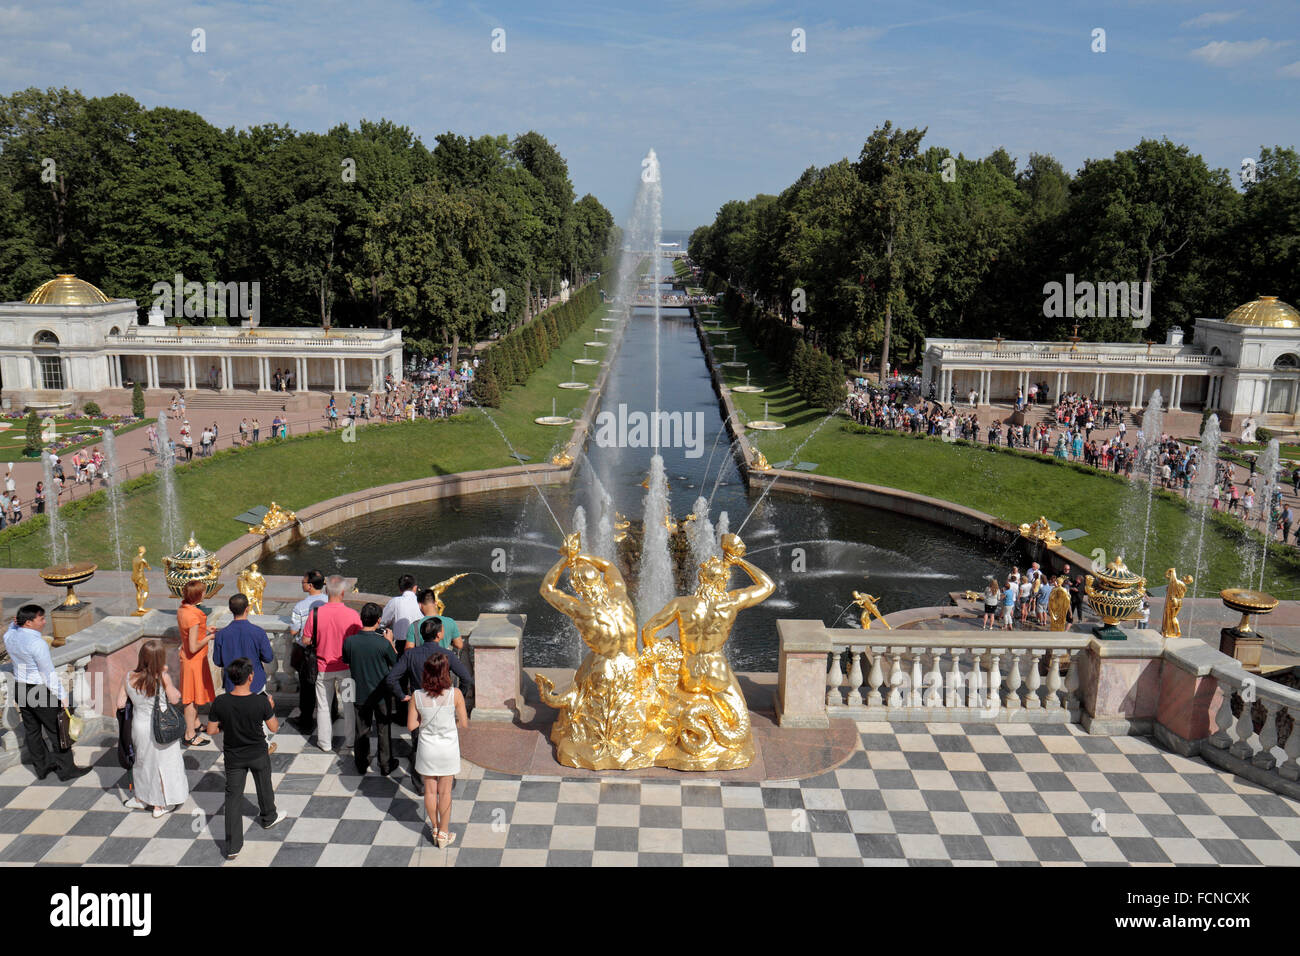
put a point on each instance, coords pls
(621, 525)
(760, 461)
(438, 606)
(704, 715)
(1040, 530)
(275, 517)
(1174, 595)
(251, 584)
(868, 604)
(138, 566)
(1058, 604)
(603, 714)
(562, 460)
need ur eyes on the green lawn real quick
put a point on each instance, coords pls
(300, 471)
(1010, 485)
(14, 438)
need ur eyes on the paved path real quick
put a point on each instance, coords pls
(914, 794)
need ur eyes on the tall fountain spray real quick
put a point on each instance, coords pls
(58, 554)
(113, 480)
(1153, 423)
(1269, 469)
(1202, 489)
(700, 534)
(655, 583)
(171, 512)
(580, 522)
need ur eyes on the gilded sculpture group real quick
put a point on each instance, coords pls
(672, 703)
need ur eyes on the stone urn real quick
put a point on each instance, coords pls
(192, 563)
(1118, 597)
(73, 613)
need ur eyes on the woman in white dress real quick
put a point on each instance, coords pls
(159, 772)
(437, 709)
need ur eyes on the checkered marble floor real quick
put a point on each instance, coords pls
(915, 794)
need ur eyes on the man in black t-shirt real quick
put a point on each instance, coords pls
(238, 717)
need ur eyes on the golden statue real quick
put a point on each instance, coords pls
(603, 714)
(251, 584)
(1040, 530)
(562, 460)
(760, 461)
(974, 596)
(621, 525)
(1174, 595)
(275, 517)
(1058, 604)
(138, 567)
(705, 717)
(438, 606)
(868, 605)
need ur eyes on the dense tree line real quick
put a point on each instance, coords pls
(353, 227)
(908, 242)
(520, 353)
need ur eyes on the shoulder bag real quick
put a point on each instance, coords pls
(168, 721)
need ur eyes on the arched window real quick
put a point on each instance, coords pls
(46, 337)
(1215, 353)
(1287, 361)
(115, 331)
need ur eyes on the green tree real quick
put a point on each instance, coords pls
(32, 445)
(137, 401)
(485, 389)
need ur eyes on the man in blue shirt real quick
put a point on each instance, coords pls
(40, 694)
(242, 638)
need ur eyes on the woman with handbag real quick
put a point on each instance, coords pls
(196, 675)
(159, 772)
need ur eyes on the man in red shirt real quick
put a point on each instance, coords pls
(328, 626)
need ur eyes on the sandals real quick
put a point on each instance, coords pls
(444, 839)
(198, 740)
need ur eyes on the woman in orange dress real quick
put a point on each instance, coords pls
(196, 676)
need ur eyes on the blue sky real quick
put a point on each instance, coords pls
(712, 85)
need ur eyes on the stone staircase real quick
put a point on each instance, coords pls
(253, 402)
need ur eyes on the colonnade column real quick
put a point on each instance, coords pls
(153, 371)
(66, 364)
(302, 379)
(1177, 403)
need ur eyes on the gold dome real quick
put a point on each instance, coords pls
(66, 290)
(1266, 312)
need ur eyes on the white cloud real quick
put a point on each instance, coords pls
(1210, 19)
(1291, 69)
(1232, 52)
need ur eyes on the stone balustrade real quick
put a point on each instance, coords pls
(952, 676)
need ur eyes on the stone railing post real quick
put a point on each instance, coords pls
(278, 675)
(801, 674)
(498, 667)
(9, 753)
(1119, 682)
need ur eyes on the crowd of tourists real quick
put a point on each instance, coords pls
(1025, 600)
(403, 663)
(1067, 434)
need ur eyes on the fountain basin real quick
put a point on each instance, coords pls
(595, 345)
(574, 385)
(555, 420)
(734, 364)
(746, 389)
(586, 361)
(763, 425)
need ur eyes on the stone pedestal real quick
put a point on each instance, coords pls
(66, 621)
(1244, 647)
(1119, 683)
(801, 674)
(498, 667)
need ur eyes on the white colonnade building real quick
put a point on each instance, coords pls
(68, 341)
(1244, 366)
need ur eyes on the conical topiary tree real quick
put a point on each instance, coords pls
(32, 443)
(484, 389)
(137, 401)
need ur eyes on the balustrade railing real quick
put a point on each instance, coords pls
(1013, 677)
(1256, 721)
